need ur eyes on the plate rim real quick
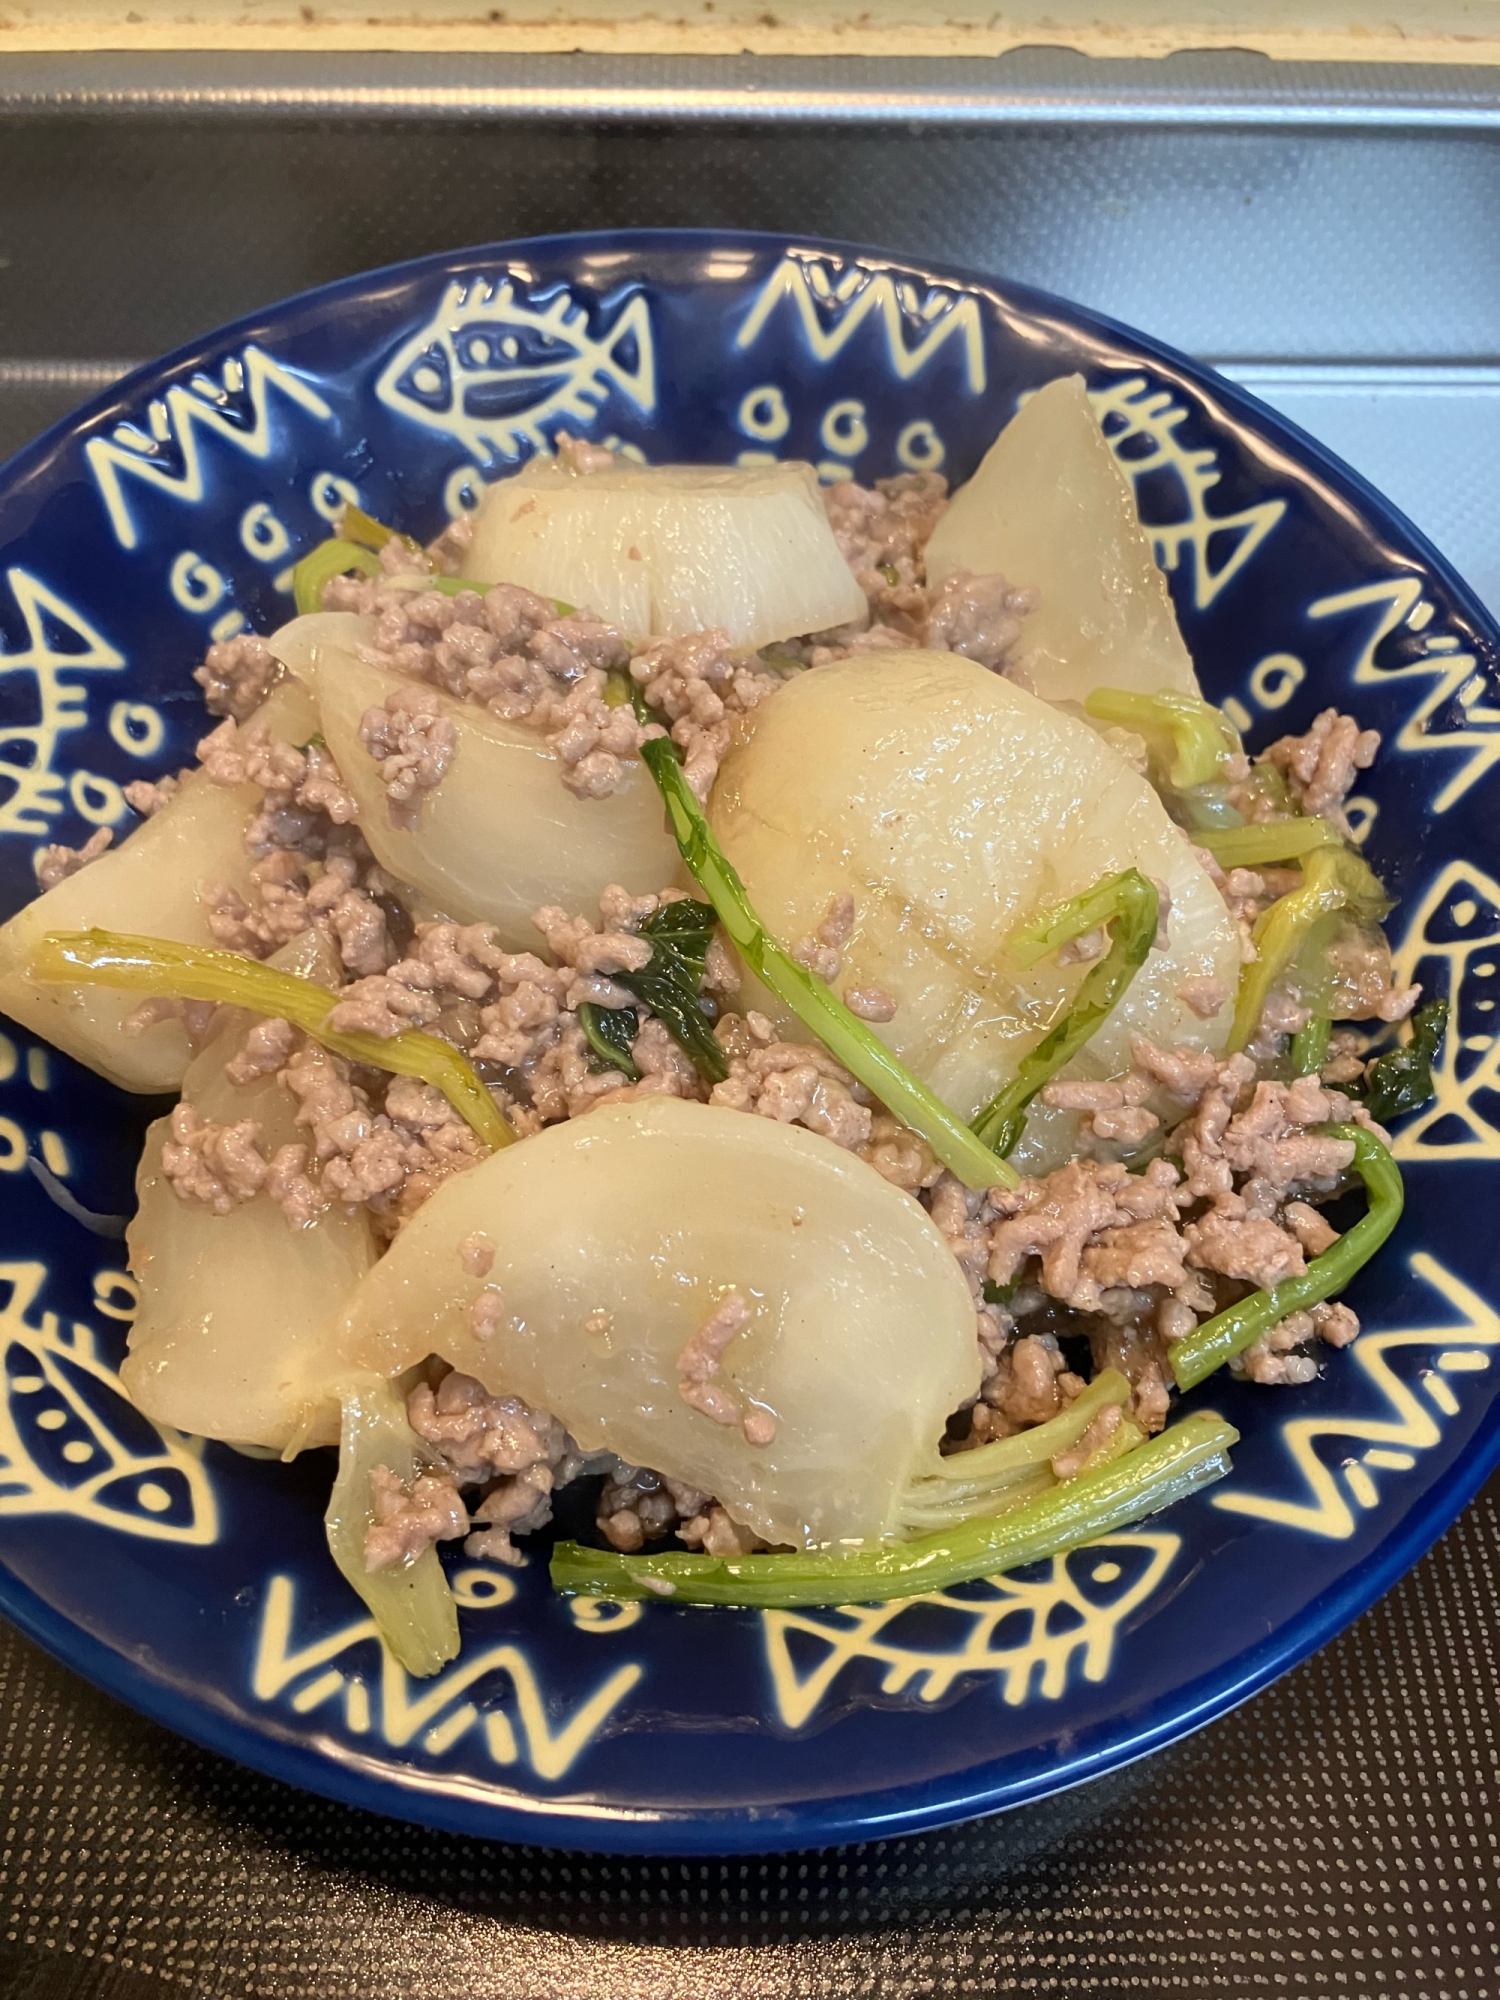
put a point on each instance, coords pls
(924, 1804)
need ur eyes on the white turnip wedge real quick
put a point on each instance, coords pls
(670, 549)
(1050, 508)
(954, 807)
(153, 884)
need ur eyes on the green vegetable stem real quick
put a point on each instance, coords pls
(843, 1034)
(1334, 879)
(1130, 905)
(322, 564)
(1310, 1045)
(1275, 840)
(1190, 1455)
(1202, 736)
(197, 972)
(1228, 1333)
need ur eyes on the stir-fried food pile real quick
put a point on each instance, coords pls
(788, 1005)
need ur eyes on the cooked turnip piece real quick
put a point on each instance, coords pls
(671, 548)
(412, 1603)
(954, 806)
(616, 1238)
(1049, 507)
(152, 884)
(234, 1334)
(500, 834)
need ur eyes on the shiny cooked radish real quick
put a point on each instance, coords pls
(500, 835)
(151, 884)
(617, 1236)
(233, 1336)
(954, 806)
(1050, 508)
(671, 548)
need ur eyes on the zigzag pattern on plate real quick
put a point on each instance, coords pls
(1021, 1631)
(832, 301)
(1454, 674)
(175, 419)
(433, 1713)
(1392, 1442)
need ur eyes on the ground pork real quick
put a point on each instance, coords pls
(147, 796)
(514, 653)
(698, 1369)
(792, 1082)
(822, 952)
(237, 676)
(1205, 996)
(637, 1506)
(217, 1165)
(414, 744)
(883, 532)
(389, 1160)
(980, 617)
(56, 863)
(1365, 987)
(409, 1518)
(1068, 1464)
(701, 685)
(1320, 766)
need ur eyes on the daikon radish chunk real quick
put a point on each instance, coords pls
(618, 1235)
(500, 835)
(1049, 507)
(153, 885)
(233, 1338)
(671, 548)
(411, 1602)
(954, 806)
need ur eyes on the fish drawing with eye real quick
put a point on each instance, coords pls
(492, 370)
(71, 1442)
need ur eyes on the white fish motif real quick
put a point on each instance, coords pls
(1141, 422)
(1023, 1632)
(493, 370)
(70, 1441)
(1452, 946)
(33, 788)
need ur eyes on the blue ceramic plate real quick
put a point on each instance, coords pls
(195, 1583)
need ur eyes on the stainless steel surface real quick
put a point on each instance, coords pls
(1330, 236)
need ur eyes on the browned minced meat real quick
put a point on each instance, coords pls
(147, 796)
(822, 952)
(1320, 767)
(217, 1165)
(698, 1371)
(409, 1518)
(237, 676)
(512, 653)
(1286, 1354)
(414, 744)
(792, 1082)
(887, 527)
(390, 1159)
(701, 685)
(980, 617)
(1365, 987)
(298, 785)
(1139, 1258)
(56, 863)
(638, 1506)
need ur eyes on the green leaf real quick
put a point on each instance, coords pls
(609, 1031)
(679, 935)
(1402, 1079)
